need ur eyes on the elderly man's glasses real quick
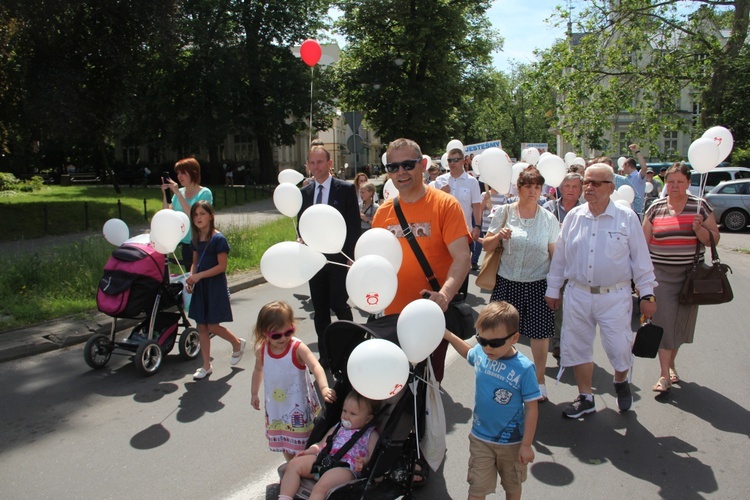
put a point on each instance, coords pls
(493, 343)
(455, 160)
(596, 184)
(407, 164)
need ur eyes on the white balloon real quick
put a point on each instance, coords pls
(290, 264)
(530, 156)
(116, 231)
(703, 154)
(444, 160)
(626, 193)
(723, 138)
(420, 329)
(624, 203)
(377, 369)
(553, 170)
(384, 158)
(167, 230)
(287, 198)
(291, 176)
(379, 241)
(429, 160)
(615, 196)
(621, 161)
(475, 165)
(161, 248)
(496, 169)
(544, 155)
(578, 161)
(185, 219)
(371, 283)
(454, 144)
(569, 157)
(649, 187)
(323, 228)
(516, 171)
(389, 190)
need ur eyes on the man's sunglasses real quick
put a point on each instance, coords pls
(493, 343)
(596, 184)
(407, 164)
(454, 160)
(278, 335)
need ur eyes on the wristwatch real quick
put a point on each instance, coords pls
(477, 226)
(650, 298)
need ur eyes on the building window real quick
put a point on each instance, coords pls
(242, 147)
(622, 143)
(670, 143)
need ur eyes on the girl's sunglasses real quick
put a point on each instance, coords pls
(493, 343)
(278, 335)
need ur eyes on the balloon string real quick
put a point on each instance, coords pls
(701, 191)
(312, 75)
(338, 263)
(182, 271)
(347, 257)
(416, 422)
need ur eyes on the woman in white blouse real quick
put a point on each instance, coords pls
(528, 233)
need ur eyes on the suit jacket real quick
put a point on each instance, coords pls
(343, 197)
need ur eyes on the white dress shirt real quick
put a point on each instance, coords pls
(601, 251)
(326, 190)
(465, 189)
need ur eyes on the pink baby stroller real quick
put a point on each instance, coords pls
(136, 285)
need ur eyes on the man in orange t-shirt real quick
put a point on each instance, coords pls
(437, 220)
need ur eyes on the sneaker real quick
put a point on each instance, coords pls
(202, 373)
(624, 398)
(579, 407)
(237, 355)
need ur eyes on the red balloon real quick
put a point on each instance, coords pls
(310, 52)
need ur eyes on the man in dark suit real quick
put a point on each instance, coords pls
(328, 287)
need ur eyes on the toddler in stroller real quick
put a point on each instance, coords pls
(389, 471)
(340, 456)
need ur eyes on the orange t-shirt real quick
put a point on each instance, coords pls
(437, 220)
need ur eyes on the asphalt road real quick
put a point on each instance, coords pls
(70, 432)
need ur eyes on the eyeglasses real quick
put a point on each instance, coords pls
(455, 160)
(596, 184)
(493, 343)
(407, 164)
(278, 335)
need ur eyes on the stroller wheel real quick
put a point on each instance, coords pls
(148, 358)
(98, 350)
(190, 344)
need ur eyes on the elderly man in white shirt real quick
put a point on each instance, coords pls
(600, 248)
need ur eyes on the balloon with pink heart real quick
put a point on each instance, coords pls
(377, 369)
(723, 139)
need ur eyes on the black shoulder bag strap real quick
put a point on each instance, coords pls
(415, 246)
(347, 446)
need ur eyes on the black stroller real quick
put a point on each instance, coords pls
(390, 471)
(136, 285)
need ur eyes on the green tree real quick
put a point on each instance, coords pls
(634, 58)
(411, 65)
(74, 63)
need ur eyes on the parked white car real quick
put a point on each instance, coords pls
(715, 176)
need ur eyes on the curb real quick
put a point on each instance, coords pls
(73, 330)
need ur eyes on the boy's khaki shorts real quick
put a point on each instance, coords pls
(487, 460)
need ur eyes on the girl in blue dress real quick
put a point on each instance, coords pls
(208, 283)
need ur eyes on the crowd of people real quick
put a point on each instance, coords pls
(570, 240)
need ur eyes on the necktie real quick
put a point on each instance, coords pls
(319, 198)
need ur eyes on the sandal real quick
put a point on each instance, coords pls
(662, 385)
(673, 377)
(420, 473)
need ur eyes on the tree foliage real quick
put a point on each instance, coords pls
(444, 49)
(634, 64)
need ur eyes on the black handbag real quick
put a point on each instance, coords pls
(459, 317)
(647, 340)
(704, 284)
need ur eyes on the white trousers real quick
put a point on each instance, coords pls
(582, 313)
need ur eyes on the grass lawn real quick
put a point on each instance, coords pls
(56, 210)
(34, 289)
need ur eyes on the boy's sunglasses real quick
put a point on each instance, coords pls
(407, 164)
(493, 343)
(278, 335)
